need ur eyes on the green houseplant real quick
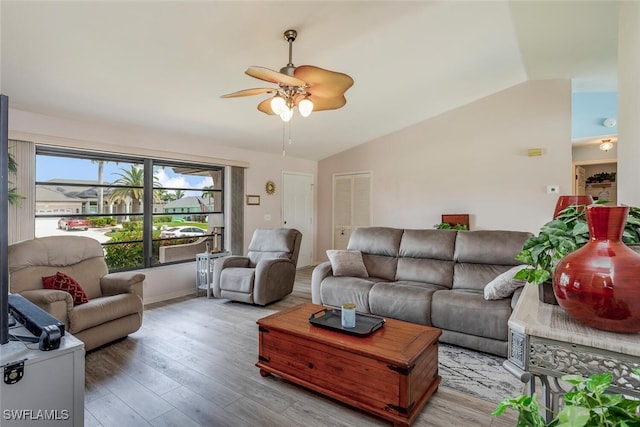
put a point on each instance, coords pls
(447, 226)
(561, 236)
(586, 405)
(14, 197)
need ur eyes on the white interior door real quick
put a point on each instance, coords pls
(351, 205)
(297, 211)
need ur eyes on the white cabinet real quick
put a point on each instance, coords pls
(51, 390)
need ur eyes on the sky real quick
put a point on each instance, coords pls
(48, 167)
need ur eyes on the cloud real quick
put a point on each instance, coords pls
(168, 179)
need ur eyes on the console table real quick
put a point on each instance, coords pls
(204, 270)
(545, 343)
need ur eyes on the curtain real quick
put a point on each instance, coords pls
(22, 215)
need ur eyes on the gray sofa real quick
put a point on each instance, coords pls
(431, 277)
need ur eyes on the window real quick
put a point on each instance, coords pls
(141, 222)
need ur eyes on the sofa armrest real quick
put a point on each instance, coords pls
(273, 279)
(225, 262)
(55, 302)
(122, 283)
(319, 273)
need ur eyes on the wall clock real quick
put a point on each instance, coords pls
(270, 187)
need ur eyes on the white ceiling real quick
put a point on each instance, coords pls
(164, 65)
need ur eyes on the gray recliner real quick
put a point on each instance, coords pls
(266, 274)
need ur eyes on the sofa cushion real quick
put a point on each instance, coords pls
(433, 244)
(425, 270)
(489, 246)
(408, 301)
(237, 279)
(269, 243)
(468, 276)
(383, 267)
(383, 241)
(470, 313)
(68, 284)
(347, 263)
(336, 291)
(102, 310)
(504, 285)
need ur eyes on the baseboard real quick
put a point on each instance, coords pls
(165, 297)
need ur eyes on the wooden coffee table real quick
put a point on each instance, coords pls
(391, 373)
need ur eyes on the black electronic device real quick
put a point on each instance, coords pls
(41, 324)
(49, 338)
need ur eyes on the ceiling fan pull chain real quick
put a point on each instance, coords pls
(290, 133)
(283, 146)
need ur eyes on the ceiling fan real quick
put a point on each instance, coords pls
(307, 87)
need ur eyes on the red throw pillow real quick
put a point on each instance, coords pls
(66, 283)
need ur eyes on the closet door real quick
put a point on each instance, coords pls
(351, 205)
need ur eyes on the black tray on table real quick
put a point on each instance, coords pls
(331, 318)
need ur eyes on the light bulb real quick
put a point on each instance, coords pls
(286, 114)
(305, 107)
(278, 104)
(606, 145)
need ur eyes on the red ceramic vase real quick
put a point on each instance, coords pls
(566, 201)
(599, 284)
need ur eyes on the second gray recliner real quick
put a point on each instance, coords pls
(266, 274)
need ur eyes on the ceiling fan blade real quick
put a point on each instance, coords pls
(320, 104)
(265, 107)
(272, 76)
(323, 83)
(249, 92)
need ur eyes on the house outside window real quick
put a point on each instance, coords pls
(109, 198)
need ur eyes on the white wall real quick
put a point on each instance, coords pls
(470, 160)
(593, 153)
(629, 104)
(262, 167)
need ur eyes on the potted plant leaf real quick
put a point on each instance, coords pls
(558, 238)
(14, 197)
(447, 226)
(587, 405)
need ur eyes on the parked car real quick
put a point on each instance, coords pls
(183, 232)
(74, 223)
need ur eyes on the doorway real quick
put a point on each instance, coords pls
(297, 211)
(596, 178)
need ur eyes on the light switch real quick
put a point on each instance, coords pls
(267, 217)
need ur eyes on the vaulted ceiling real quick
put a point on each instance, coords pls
(164, 65)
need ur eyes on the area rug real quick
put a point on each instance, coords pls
(477, 374)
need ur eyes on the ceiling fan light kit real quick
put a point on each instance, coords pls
(307, 87)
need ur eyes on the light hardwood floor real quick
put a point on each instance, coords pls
(193, 364)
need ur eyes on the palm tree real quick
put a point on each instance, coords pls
(165, 196)
(208, 192)
(100, 182)
(179, 194)
(134, 180)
